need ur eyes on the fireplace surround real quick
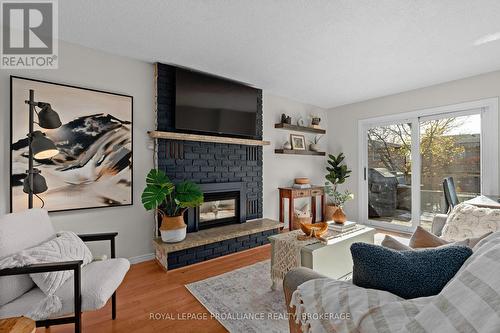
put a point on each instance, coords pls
(229, 174)
(207, 163)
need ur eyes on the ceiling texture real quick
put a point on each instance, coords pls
(323, 52)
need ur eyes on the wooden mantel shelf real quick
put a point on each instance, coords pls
(206, 138)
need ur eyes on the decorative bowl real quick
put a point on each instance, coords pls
(314, 229)
(302, 180)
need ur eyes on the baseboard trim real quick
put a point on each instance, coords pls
(141, 258)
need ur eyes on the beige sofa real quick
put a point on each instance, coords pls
(297, 276)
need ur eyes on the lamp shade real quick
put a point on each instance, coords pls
(42, 147)
(48, 118)
(39, 183)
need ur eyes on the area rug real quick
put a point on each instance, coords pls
(242, 300)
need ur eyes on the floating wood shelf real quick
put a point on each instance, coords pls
(206, 138)
(299, 152)
(300, 128)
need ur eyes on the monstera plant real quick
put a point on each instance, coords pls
(170, 201)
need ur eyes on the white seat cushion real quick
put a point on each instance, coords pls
(99, 281)
(19, 231)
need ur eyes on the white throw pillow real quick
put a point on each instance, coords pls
(466, 221)
(66, 247)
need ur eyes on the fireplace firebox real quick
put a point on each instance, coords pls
(224, 203)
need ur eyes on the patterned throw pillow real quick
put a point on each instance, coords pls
(466, 221)
(66, 247)
(408, 274)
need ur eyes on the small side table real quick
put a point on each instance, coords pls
(17, 325)
(291, 194)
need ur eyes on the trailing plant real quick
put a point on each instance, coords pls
(162, 195)
(338, 172)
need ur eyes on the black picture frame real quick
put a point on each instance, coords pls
(14, 77)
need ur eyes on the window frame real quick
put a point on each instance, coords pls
(487, 108)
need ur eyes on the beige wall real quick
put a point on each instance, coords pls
(343, 121)
(280, 169)
(85, 67)
(90, 68)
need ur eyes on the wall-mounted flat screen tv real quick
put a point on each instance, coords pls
(207, 104)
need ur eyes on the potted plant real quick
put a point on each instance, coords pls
(337, 174)
(314, 144)
(170, 201)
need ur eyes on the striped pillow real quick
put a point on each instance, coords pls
(471, 301)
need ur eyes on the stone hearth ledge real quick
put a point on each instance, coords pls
(212, 235)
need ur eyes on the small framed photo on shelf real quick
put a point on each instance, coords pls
(298, 142)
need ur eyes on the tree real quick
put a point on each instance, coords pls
(391, 145)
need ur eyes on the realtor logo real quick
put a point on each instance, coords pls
(29, 34)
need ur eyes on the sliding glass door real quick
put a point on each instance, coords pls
(389, 173)
(450, 146)
(403, 163)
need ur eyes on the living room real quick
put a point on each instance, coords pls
(214, 166)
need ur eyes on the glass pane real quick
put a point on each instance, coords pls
(219, 209)
(389, 174)
(449, 147)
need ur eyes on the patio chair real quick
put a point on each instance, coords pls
(450, 194)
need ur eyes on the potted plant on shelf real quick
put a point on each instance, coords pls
(170, 201)
(314, 144)
(337, 174)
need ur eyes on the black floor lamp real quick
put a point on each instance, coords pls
(40, 147)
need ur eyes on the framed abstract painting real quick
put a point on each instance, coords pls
(93, 167)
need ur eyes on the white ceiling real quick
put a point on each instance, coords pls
(323, 52)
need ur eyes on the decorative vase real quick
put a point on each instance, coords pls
(287, 145)
(339, 215)
(329, 211)
(313, 147)
(173, 229)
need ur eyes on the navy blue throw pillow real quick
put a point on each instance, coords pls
(408, 274)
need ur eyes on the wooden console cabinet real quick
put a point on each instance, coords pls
(291, 194)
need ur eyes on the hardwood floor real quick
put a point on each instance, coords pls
(148, 290)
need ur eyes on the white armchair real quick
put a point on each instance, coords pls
(88, 289)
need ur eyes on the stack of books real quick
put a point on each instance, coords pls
(338, 227)
(301, 186)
